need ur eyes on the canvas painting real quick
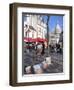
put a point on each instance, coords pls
(42, 44)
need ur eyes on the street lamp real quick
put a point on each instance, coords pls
(48, 17)
(28, 36)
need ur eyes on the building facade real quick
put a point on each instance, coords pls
(55, 35)
(34, 27)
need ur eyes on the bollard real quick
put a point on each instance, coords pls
(28, 70)
(44, 65)
(38, 69)
(48, 60)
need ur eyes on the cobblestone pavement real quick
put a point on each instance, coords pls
(56, 65)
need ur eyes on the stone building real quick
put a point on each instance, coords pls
(55, 35)
(34, 27)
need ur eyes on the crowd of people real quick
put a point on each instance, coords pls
(39, 48)
(56, 48)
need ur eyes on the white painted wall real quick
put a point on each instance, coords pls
(4, 46)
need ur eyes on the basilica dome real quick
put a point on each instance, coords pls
(57, 29)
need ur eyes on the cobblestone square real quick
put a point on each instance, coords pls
(56, 65)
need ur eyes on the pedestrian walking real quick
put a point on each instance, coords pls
(39, 49)
(43, 48)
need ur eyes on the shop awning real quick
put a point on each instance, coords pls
(40, 40)
(35, 40)
(28, 39)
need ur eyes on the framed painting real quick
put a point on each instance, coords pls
(40, 44)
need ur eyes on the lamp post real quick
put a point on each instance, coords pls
(28, 36)
(48, 17)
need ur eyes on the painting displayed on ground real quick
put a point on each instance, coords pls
(42, 43)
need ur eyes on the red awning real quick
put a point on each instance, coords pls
(28, 39)
(35, 40)
(40, 40)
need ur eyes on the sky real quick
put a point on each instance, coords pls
(53, 20)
